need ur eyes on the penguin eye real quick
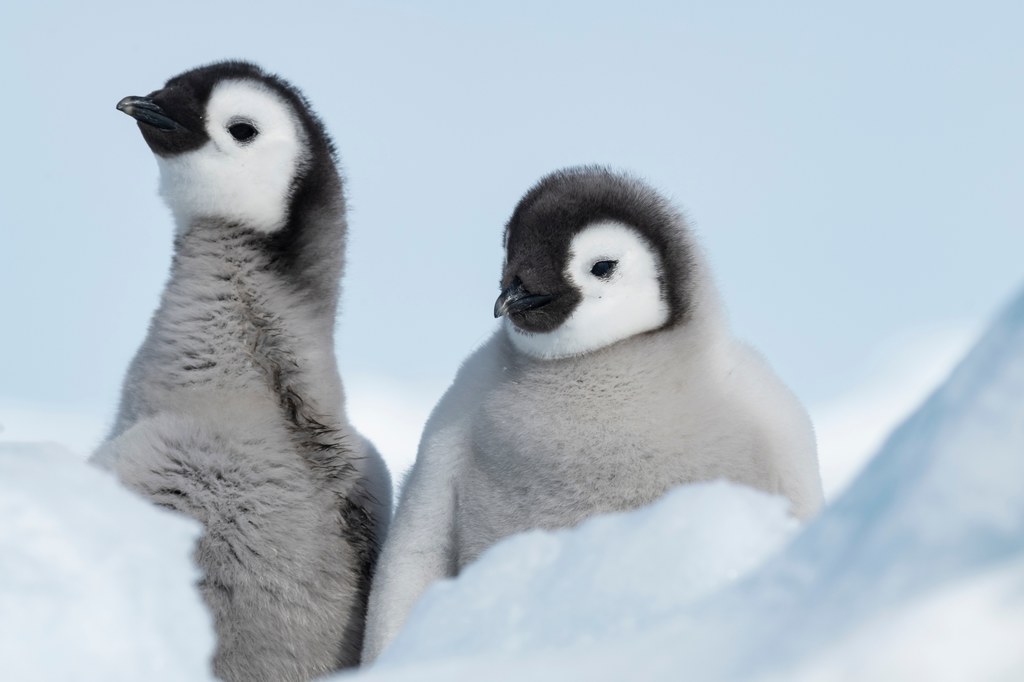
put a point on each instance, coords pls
(243, 132)
(604, 268)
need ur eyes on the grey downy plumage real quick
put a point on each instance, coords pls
(232, 411)
(613, 378)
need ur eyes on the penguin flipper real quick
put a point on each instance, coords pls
(420, 547)
(376, 488)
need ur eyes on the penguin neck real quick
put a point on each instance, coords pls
(252, 271)
(230, 325)
(308, 251)
(305, 251)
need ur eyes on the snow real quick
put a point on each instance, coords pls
(549, 590)
(915, 571)
(95, 583)
(972, 629)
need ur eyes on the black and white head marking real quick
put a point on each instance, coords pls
(591, 258)
(234, 144)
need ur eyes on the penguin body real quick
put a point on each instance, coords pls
(232, 410)
(613, 379)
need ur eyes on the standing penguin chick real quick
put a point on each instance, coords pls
(613, 379)
(232, 410)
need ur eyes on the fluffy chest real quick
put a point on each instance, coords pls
(226, 327)
(216, 332)
(592, 440)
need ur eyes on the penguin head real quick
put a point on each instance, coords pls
(592, 258)
(234, 144)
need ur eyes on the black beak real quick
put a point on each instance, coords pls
(516, 299)
(145, 110)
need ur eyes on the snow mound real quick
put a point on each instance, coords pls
(915, 572)
(612, 576)
(971, 629)
(942, 501)
(95, 583)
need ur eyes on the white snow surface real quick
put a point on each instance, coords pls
(915, 572)
(552, 590)
(95, 583)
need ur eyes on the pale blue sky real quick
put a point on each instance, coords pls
(854, 173)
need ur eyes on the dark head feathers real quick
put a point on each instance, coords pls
(307, 249)
(560, 205)
(201, 81)
(185, 96)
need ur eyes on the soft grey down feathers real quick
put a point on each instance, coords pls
(520, 442)
(232, 413)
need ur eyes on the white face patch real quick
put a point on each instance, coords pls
(243, 181)
(626, 302)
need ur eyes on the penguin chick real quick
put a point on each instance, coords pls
(612, 379)
(232, 411)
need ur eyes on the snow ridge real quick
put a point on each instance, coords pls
(943, 498)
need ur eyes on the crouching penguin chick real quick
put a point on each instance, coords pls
(612, 378)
